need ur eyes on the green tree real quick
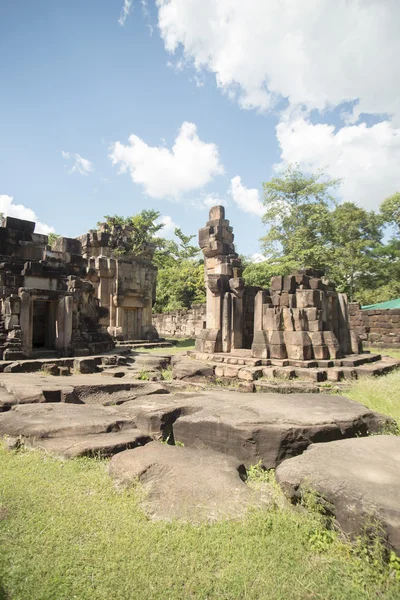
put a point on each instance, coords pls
(180, 281)
(390, 211)
(297, 213)
(356, 248)
(308, 228)
(52, 237)
(141, 228)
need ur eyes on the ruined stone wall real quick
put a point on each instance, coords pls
(181, 323)
(380, 327)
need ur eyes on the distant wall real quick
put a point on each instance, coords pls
(380, 328)
(181, 323)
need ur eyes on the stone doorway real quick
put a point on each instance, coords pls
(133, 323)
(43, 325)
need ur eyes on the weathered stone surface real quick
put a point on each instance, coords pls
(62, 420)
(360, 478)
(188, 368)
(90, 389)
(271, 427)
(182, 483)
(152, 362)
(84, 365)
(101, 444)
(251, 427)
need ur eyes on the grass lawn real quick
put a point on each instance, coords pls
(66, 533)
(380, 393)
(182, 345)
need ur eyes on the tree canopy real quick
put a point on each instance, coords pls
(307, 227)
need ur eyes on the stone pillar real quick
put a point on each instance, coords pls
(26, 322)
(224, 286)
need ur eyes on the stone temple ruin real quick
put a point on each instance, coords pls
(300, 322)
(74, 297)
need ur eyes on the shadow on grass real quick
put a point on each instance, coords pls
(3, 594)
(185, 343)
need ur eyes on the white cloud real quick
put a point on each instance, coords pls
(8, 208)
(164, 173)
(248, 199)
(213, 200)
(168, 227)
(79, 164)
(125, 10)
(367, 158)
(315, 53)
(258, 258)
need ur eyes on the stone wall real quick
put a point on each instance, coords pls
(379, 327)
(181, 323)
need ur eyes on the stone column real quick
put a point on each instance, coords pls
(224, 286)
(26, 322)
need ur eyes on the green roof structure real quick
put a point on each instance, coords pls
(383, 305)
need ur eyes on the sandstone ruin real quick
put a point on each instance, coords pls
(74, 297)
(300, 317)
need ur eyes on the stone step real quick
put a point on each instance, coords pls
(381, 367)
(357, 360)
(278, 387)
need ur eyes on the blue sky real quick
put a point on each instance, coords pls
(259, 88)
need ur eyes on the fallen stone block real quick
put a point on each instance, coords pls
(189, 368)
(84, 365)
(312, 374)
(250, 373)
(51, 369)
(360, 478)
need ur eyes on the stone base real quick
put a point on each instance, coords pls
(209, 340)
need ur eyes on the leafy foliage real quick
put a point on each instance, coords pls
(133, 235)
(52, 237)
(180, 281)
(308, 228)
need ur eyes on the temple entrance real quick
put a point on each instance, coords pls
(44, 325)
(133, 324)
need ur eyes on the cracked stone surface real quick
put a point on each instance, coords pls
(359, 477)
(248, 427)
(183, 483)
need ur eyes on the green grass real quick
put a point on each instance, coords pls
(378, 393)
(393, 352)
(182, 345)
(66, 533)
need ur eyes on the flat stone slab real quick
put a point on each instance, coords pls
(29, 388)
(249, 427)
(101, 444)
(62, 420)
(271, 427)
(360, 478)
(182, 483)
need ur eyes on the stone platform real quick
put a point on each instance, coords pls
(240, 365)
